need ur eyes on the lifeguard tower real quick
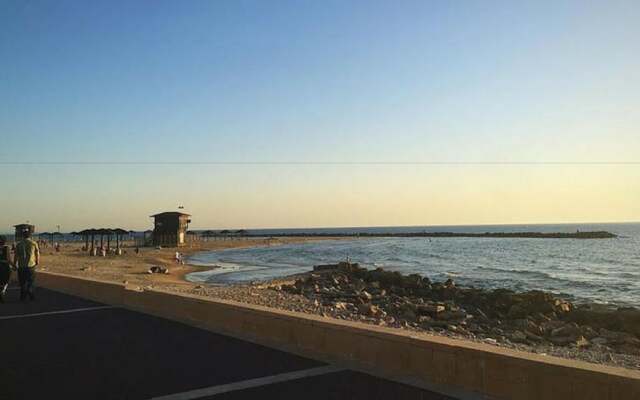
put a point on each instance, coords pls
(170, 228)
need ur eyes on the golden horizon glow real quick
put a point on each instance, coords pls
(312, 196)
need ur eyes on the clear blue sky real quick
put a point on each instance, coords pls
(309, 81)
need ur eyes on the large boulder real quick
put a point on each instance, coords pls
(522, 305)
(413, 281)
(430, 309)
(369, 310)
(623, 320)
(566, 330)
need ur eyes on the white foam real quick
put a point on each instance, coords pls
(219, 268)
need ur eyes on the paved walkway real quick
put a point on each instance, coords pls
(65, 347)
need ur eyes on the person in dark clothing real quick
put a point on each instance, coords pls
(5, 267)
(27, 258)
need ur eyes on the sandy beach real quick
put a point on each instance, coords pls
(321, 294)
(133, 268)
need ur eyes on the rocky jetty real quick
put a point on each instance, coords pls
(533, 318)
(507, 235)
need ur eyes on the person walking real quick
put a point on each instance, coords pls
(27, 258)
(5, 267)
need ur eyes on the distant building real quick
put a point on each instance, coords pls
(20, 228)
(170, 229)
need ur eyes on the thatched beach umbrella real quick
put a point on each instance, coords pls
(119, 232)
(94, 233)
(48, 236)
(91, 232)
(103, 232)
(204, 234)
(85, 233)
(133, 235)
(108, 232)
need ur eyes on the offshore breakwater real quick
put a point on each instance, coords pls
(524, 235)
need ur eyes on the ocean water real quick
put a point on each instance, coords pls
(602, 270)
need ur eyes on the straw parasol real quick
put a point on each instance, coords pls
(119, 232)
(86, 233)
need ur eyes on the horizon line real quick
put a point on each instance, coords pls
(294, 162)
(416, 226)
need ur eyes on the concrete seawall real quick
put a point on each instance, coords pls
(460, 368)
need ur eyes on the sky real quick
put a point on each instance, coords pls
(315, 114)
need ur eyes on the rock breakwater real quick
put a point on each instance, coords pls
(530, 235)
(533, 318)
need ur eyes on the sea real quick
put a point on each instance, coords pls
(603, 271)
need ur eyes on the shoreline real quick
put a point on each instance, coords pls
(293, 294)
(132, 267)
(582, 302)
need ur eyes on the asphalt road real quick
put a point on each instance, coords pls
(61, 346)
